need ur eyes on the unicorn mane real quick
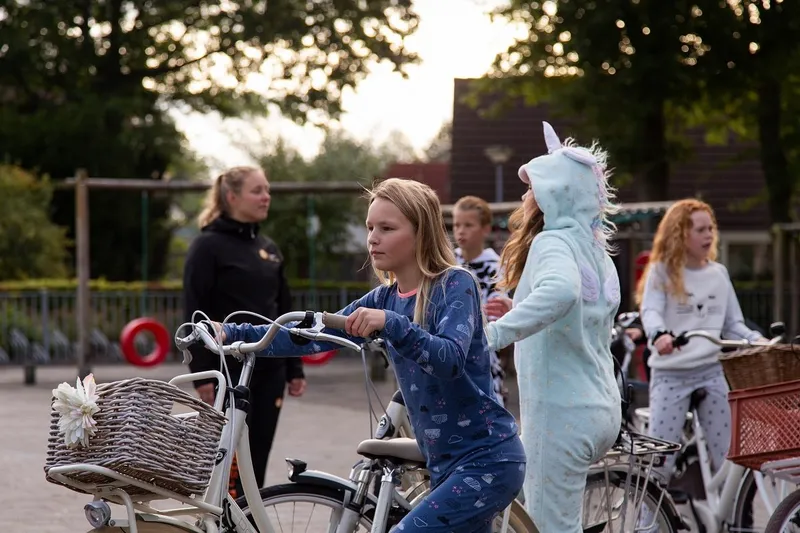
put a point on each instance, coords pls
(602, 226)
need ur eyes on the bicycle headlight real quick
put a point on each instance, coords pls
(98, 513)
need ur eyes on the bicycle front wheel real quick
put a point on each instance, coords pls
(303, 507)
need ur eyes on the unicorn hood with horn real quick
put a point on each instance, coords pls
(564, 308)
(570, 184)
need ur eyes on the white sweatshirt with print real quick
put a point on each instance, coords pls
(711, 305)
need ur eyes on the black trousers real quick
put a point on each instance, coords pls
(266, 400)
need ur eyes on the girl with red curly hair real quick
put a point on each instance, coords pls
(684, 288)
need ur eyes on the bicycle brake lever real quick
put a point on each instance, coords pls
(307, 323)
(377, 344)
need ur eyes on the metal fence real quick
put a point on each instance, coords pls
(39, 327)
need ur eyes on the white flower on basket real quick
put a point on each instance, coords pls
(76, 407)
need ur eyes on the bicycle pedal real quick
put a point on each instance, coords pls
(597, 528)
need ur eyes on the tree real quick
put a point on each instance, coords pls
(397, 148)
(439, 149)
(87, 85)
(340, 159)
(636, 73)
(752, 88)
(614, 67)
(30, 245)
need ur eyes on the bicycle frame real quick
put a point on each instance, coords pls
(216, 503)
(236, 431)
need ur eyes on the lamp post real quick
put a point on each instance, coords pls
(498, 155)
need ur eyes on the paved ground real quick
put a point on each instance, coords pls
(322, 428)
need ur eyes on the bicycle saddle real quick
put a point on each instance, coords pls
(697, 398)
(400, 451)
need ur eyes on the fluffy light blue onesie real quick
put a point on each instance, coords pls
(564, 308)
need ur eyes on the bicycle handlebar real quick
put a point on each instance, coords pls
(334, 321)
(307, 320)
(683, 340)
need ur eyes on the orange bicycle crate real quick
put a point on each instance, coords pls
(765, 424)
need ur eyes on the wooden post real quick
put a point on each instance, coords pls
(82, 270)
(794, 309)
(778, 276)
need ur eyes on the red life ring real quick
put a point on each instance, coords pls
(318, 358)
(128, 335)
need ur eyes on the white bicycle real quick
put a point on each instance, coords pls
(354, 504)
(734, 499)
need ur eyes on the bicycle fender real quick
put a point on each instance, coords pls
(740, 492)
(324, 479)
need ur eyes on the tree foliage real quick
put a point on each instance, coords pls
(88, 85)
(440, 148)
(200, 52)
(30, 245)
(753, 88)
(638, 73)
(615, 68)
(340, 159)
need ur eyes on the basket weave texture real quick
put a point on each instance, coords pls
(761, 365)
(138, 436)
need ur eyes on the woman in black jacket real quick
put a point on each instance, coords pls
(231, 267)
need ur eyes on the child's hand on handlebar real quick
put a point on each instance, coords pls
(364, 321)
(218, 331)
(665, 344)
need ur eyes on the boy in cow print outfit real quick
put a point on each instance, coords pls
(472, 222)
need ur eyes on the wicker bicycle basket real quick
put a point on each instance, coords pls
(761, 365)
(139, 436)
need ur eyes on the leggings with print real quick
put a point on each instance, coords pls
(670, 392)
(467, 500)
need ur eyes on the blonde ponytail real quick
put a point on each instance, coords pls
(216, 203)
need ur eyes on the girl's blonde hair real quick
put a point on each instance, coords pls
(669, 245)
(216, 202)
(420, 205)
(515, 252)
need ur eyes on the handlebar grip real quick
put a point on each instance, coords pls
(334, 321)
(679, 341)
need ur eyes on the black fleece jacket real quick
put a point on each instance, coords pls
(230, 267)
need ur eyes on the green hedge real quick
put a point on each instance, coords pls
(138, 286)
(297, 284)
(753, 285)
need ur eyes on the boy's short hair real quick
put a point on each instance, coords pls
(478, 204)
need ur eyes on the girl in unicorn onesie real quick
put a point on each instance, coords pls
(566, 296)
